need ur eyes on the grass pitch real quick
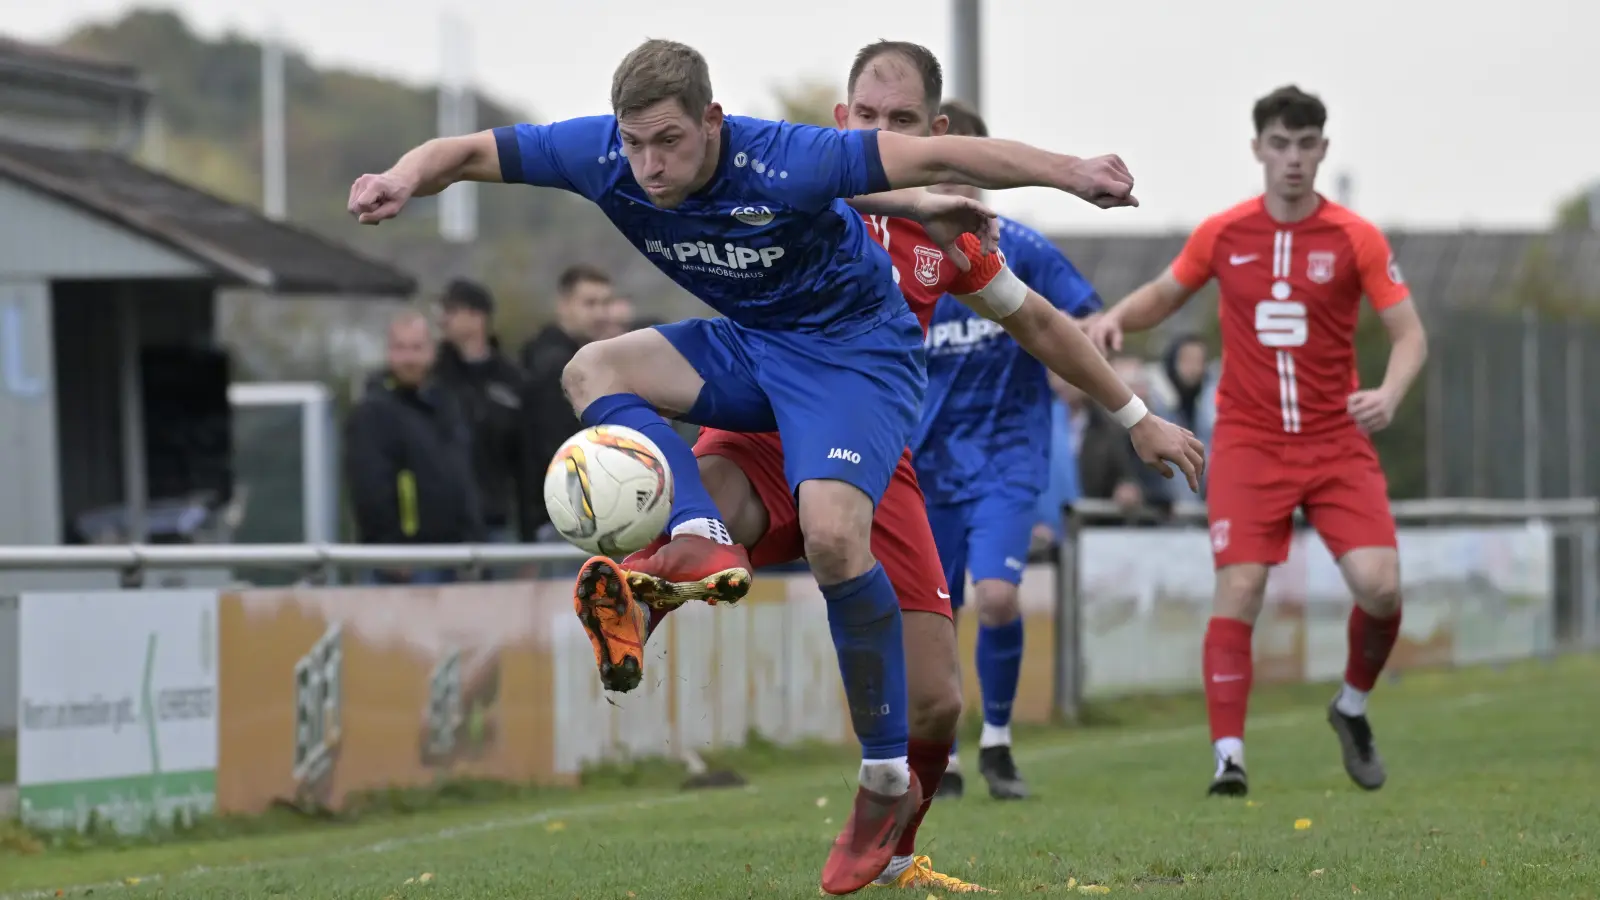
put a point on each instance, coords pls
(1494, 791)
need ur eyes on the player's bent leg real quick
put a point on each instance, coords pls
(868, 634)
(697, 370)
(999, 664)
(1373, 574)
(616, 625)
(1227, 666)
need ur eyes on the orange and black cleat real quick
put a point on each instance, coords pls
(689, 567)
(617, 625)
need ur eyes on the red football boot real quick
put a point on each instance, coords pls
(863, 849)
(689, 567)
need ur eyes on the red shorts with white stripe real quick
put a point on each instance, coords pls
(1254, 484)
(901, 537)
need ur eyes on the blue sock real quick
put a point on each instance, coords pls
(689, 497)
(999, 668)
(864, 617)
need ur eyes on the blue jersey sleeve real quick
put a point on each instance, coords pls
(1042, 266)
(821, 165)
(571, 155)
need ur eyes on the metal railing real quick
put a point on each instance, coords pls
(1575, 523)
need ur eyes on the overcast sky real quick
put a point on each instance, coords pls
(1446, 113)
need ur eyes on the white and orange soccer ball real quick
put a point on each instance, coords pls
(608, 490)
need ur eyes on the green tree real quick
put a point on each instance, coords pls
(1573, 214)
(809, 102)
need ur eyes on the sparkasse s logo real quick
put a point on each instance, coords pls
(755, 216)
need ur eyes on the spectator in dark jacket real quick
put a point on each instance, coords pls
(488, 388)
(1108, 466)
(408, 456)
(583, 313)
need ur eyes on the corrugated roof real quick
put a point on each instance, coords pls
(240, 244)
(49, 62)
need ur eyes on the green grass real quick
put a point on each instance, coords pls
(1492, 793)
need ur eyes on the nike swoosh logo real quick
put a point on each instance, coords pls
(944, 595)
(1227, 678)
(1241, 260)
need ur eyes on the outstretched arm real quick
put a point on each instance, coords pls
(996, 164)
(1051, 337)
(1148, 306)
(441, 162)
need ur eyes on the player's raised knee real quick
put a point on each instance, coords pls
(589, 375)
(836, 520)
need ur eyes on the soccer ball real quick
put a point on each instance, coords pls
(608, 490)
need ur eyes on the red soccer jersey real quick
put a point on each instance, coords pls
(922, 271)
(1291, 296)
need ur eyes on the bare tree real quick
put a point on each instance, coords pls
(809, 102)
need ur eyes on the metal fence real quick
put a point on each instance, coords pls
(1511, 402)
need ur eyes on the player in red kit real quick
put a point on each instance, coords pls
(894, 86)
(1293, 424)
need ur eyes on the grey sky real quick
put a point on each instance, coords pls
(1447, 113)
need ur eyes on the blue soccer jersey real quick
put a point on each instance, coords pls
(986, 415)
(767, 242)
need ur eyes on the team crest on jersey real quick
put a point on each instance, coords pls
(927, 270)
(1219, 535)
(1319, 266)
(1394, 271)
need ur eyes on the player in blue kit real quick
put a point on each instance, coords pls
(981, 454)
(815, 342)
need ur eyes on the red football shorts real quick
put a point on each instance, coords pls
(1255, 483)
(901, 538)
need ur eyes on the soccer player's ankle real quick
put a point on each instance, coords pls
(891, 777)
(706, 527)
(896, 867)
(994, 736)
(1351, 701)
(1229, 749)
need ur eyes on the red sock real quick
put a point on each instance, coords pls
(1227, 667)
(1371, 640)
(928, 760)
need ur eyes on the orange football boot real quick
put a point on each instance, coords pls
(617, 625)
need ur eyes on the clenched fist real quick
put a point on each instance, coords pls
(374, 198)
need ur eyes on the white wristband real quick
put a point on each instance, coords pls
(1003, 295)
(1131, 414)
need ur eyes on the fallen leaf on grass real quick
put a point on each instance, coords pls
(1251, 803)
(1482, 862)
(1354, 889)
(409, 881)
(130, 881)
(1093, 889)
(828, 821)
(1302, 824)
(555, 826)
(1317, 873)
(747, 869)
(821, 802)
(425, 877)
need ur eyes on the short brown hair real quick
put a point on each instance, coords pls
(658, 70)
(1295, 108)
(577, 274)
(920, 58)
(964, 120)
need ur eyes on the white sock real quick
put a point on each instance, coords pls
(897, 865)
(994, 736)
(954, 764)
(712, 529)
(1351, 702)
(886, 776)
(1229, 749)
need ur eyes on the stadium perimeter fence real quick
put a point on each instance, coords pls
(169, 691)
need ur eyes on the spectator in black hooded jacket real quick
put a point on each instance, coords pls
(488, 388)
(408, 457)
(583, 313)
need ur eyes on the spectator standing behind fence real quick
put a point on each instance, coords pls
(1184, 385)
(488, 388)
(408, 457)
(1108, 467)
(584, 312)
